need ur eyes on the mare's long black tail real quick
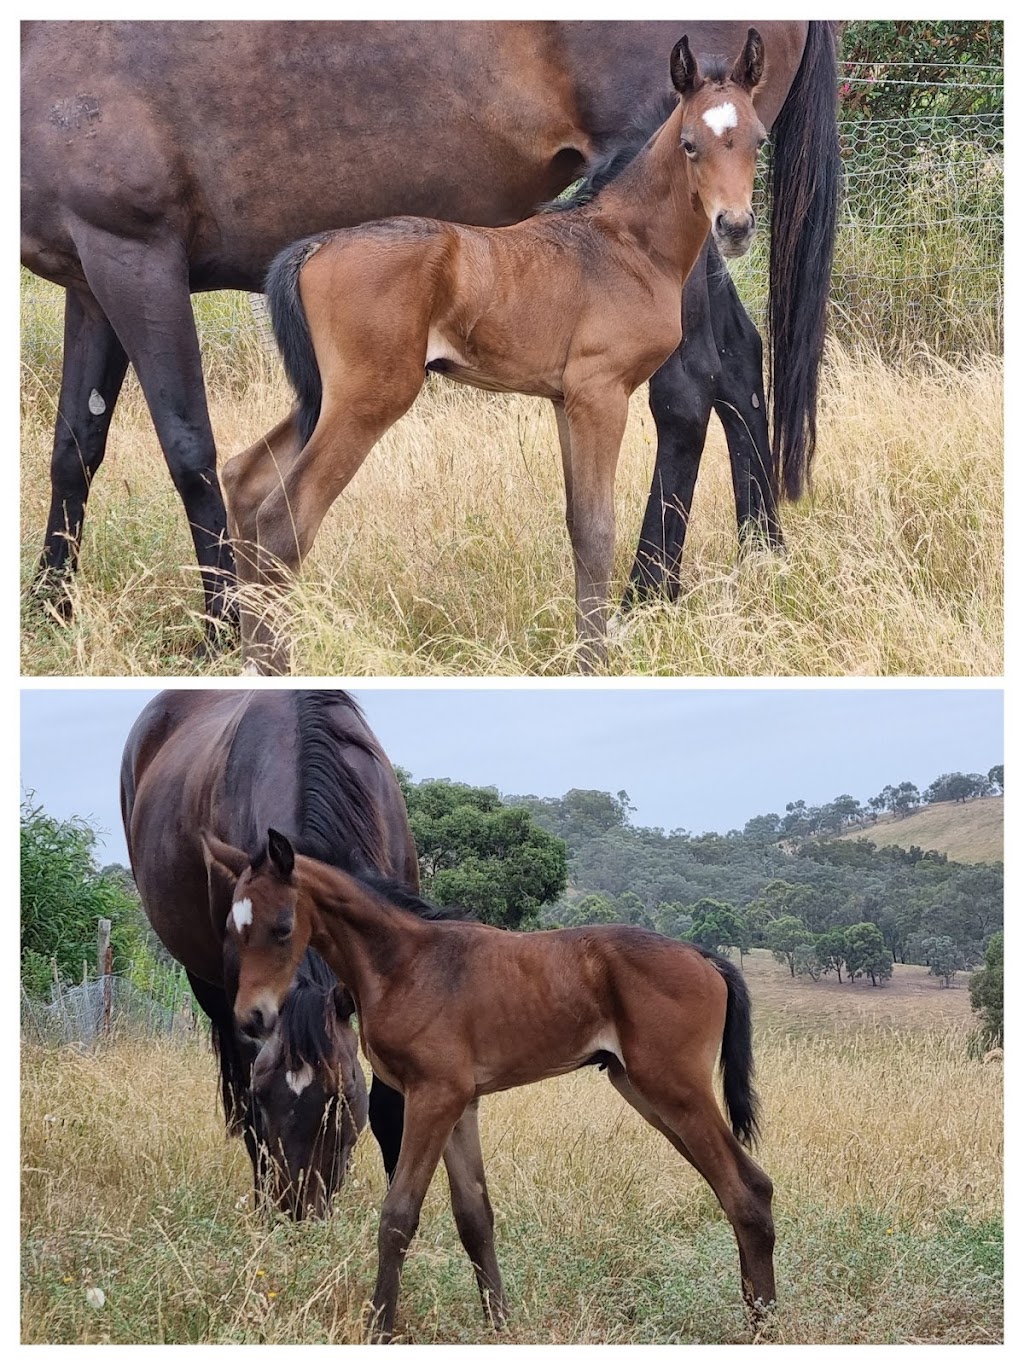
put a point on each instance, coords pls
(291, 330)
(805, 180)
(737, 1061)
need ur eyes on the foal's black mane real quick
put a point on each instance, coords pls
(610, 164)
(635, 137)
(399, 895)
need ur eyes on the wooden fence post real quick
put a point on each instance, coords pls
(104, 966)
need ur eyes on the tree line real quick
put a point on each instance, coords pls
(823, 906)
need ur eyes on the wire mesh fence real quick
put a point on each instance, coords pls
(106, 1007)
(919, 246)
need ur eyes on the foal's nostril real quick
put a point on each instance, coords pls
(726, 226)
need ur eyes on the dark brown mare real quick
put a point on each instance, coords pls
(579, 306)
(163, 158)
(452, 1010)
(231, 762)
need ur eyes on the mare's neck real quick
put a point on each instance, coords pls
(653, 200)
(360, 938)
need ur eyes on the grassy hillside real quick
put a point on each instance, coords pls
(888, 1198)
(970, 833)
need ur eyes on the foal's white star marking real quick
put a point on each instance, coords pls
(721, 117)
(241, 913)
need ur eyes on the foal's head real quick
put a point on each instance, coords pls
(267, 931)
(720, 135)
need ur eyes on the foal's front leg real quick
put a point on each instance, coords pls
(431, 1112)
(596, 418)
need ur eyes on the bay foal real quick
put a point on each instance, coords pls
(580, 307)
(450, 1010)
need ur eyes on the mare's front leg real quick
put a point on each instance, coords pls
(595, 414)
(680, 398)
(474, 1216)
(431, 1113)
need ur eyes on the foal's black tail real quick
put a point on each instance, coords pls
(737, 1061)
(292, 331)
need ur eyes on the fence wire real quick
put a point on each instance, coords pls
(79, 1014)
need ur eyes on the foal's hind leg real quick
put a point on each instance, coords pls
(692, 1122)
(248, 479)
(357, 410)
(474, 1217)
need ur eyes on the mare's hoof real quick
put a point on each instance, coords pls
(51, 589)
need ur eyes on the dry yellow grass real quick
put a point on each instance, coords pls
(971, 832)
(883, 1138)
(448, 553)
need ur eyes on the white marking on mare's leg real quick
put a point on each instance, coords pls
(721, 117)
(241, 913)
(96, 404)
(298, 1080)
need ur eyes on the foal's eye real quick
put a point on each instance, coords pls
(688, 147)
(281, 929)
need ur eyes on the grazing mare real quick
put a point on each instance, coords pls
(452, 1010)
(579, 306)
(160, 158)
(229, 762)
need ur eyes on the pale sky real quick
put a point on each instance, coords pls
(696, 759)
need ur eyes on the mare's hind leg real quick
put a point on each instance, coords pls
(691, 1120)
(94, 367)
(474, 1217)
(358, 408)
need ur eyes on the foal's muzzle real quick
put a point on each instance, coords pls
(733, 233)
(258, 1023)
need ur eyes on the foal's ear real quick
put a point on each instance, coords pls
(683, 66)
(749, 66)
(222, 858)
(281, 854)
